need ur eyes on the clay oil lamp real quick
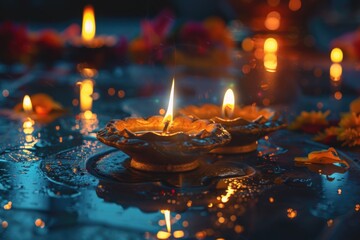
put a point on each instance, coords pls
(245, 124)
(89, 49)
(164, 143)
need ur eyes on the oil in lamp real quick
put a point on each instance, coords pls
(164, 144)
(246, 125)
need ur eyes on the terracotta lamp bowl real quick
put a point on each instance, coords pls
(150, 149)
(246, 126)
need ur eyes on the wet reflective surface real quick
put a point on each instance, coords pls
(59, 182)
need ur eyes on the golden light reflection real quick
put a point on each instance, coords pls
(88, 24)
(330, 222)
(335, 71)
(88, 114)
(163, 235)
(247, 44)
(336, 55)
(270, 62)
(28, 126)
(228, 104)
(179, 234)
(294, 5)
(27, 105)
(238, 228)
(8, 206)
(169, 113)
(270, 56)
(338, 95)
(291, 213)
(270, 45)
(39, 223)
(4, 224)
(233, 185)
(272, 21)
(357, 207)
(87, 72)
(86, 91)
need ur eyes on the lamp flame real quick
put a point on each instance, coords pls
(167, 220)
(27, 105)
(88, 24)
(228, 104)
(169, 113)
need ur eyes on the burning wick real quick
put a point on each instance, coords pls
(228, 104)
(88, 25)
(167, 220)
(169, 113)
(27, 105)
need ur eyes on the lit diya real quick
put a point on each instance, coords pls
(164, 144)
(40, 107)
(90, 49)
(246, 125)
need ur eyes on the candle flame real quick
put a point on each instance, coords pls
(27, 105)
(169, 113)
(86, 91)
(88, 24)
(228, 104)
(167, 220)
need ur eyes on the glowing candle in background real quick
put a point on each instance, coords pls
(88, 24)
(27, 105)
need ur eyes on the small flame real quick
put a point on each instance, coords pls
(86, 91)
(169, 113)
(88, 24)
(27, 105)
(228, 104)
(167, 220)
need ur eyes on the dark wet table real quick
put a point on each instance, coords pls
(60, 182)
